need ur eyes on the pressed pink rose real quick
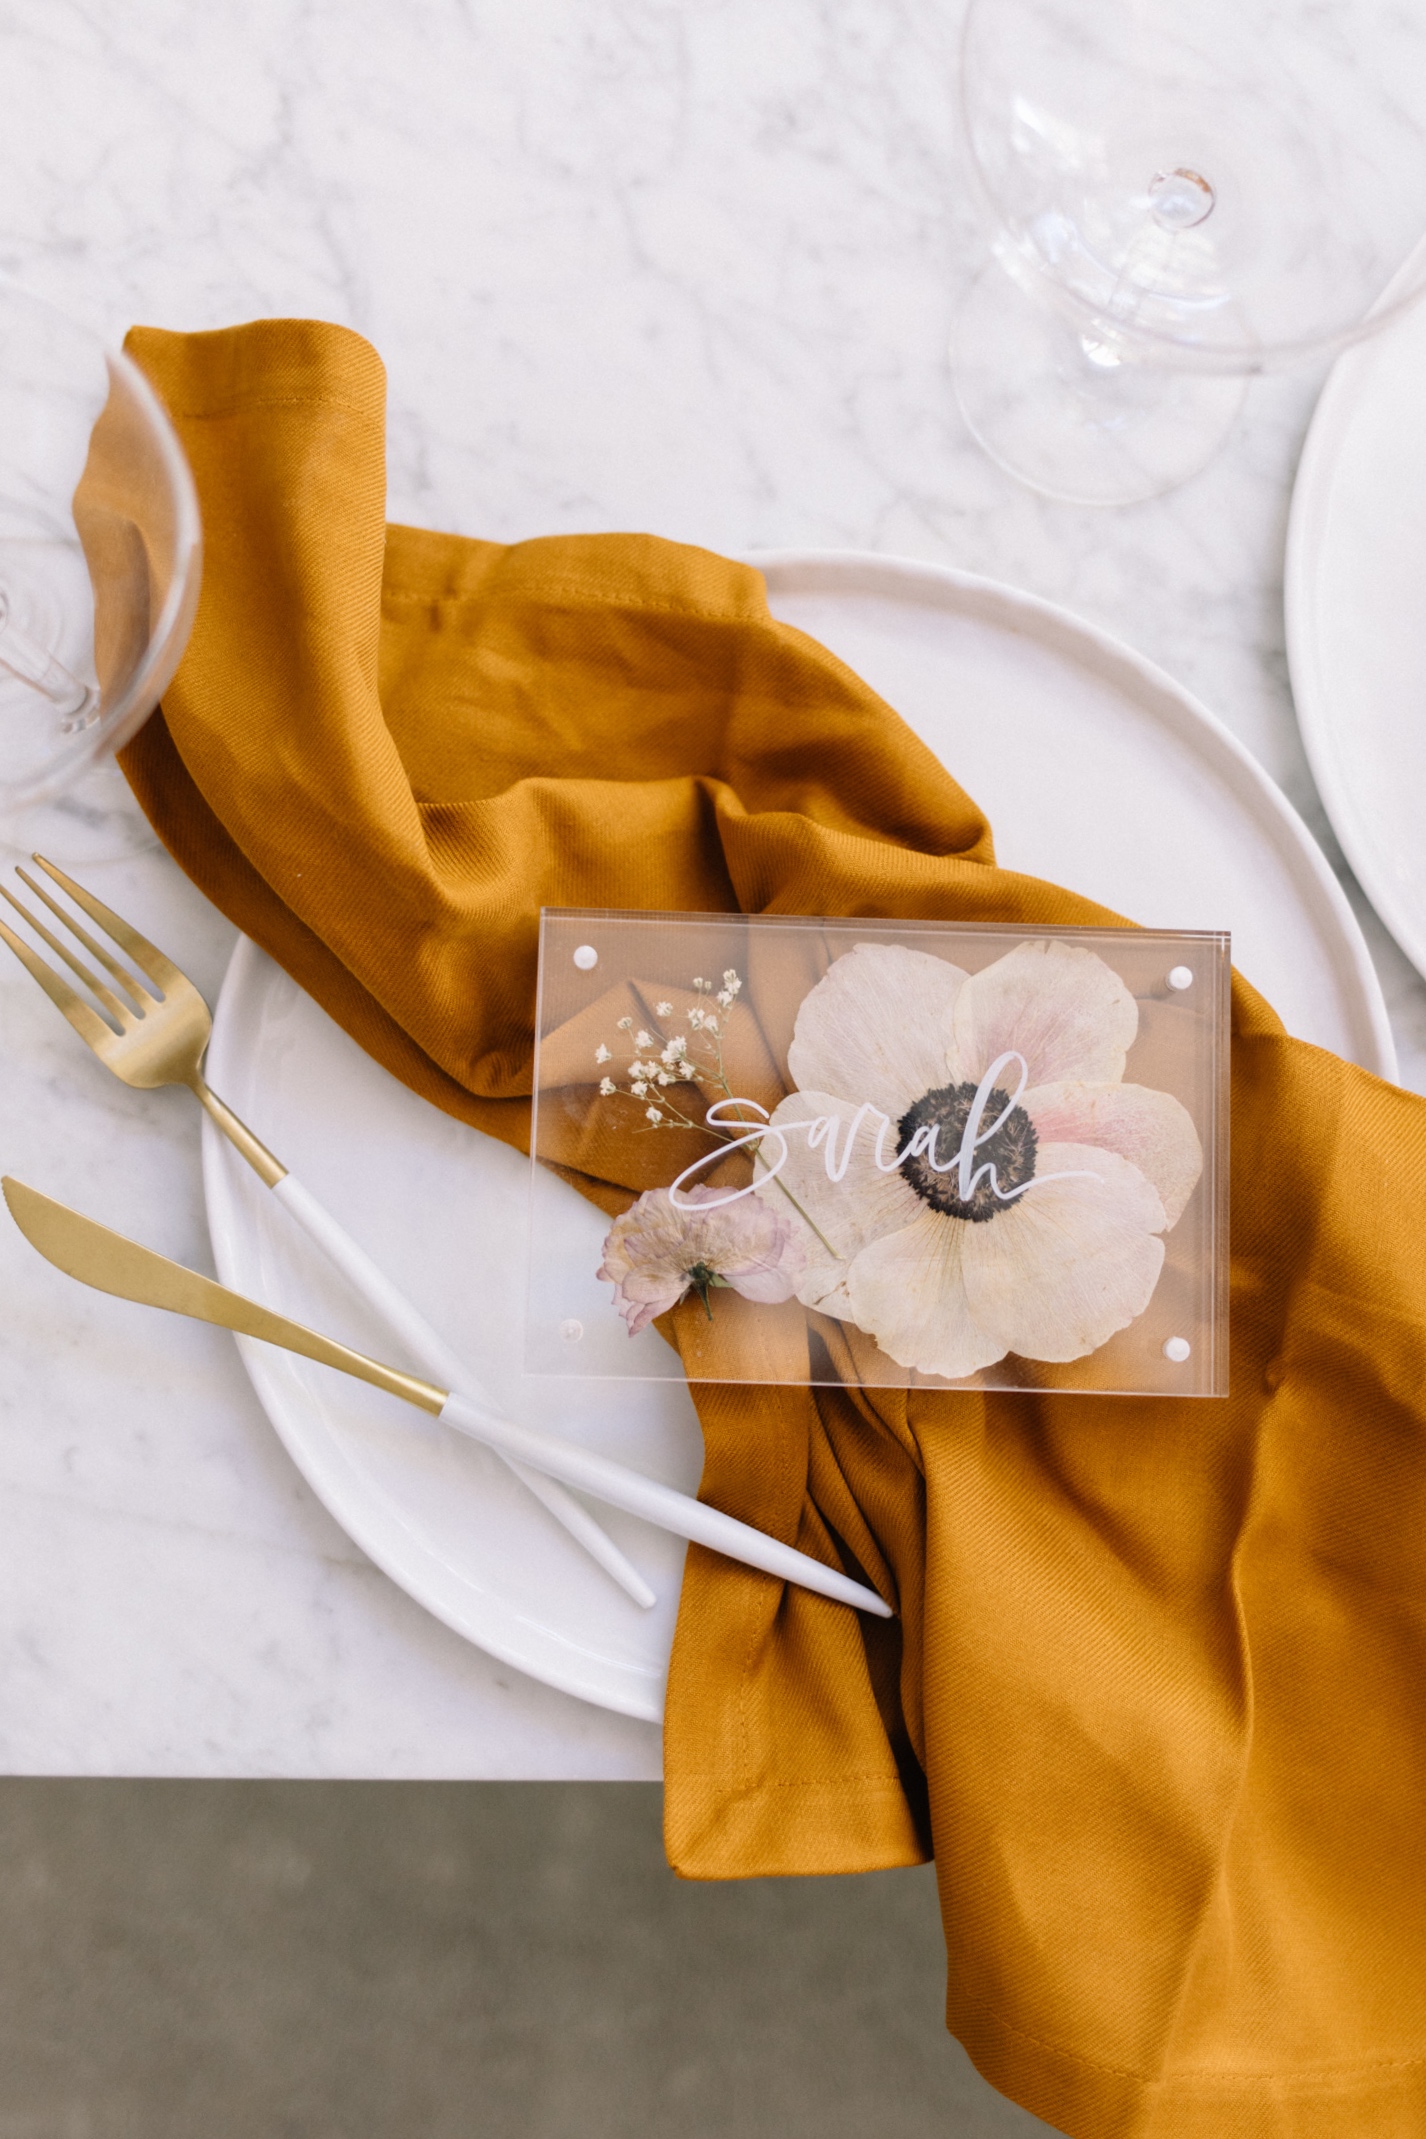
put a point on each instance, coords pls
(658, 1251)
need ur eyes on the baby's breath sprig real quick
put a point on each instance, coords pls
(666, 1059)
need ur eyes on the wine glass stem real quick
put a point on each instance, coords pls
(31, 663)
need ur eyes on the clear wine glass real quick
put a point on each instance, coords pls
(1179, 194)
(100, 558)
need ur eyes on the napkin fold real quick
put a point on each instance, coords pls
(1156, 1694)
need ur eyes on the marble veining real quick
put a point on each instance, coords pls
(630, 265)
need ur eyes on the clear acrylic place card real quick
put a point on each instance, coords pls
(894, 1154)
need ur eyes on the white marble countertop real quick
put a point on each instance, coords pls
(630, 265)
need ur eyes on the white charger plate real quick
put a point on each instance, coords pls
(1355, 595)
(1096, 771)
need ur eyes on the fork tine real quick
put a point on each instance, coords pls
(147, 956)
(125, 1016)
(135, 990)
(86, 1022)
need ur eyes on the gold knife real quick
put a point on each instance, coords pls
(111, 1263)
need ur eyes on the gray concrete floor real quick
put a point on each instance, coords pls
(444, 1961)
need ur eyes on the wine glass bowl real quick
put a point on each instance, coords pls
(100, 554)
(1188, 194)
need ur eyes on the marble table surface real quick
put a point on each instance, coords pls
(630, 265)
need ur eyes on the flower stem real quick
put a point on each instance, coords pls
(807, 1218)
(679, 1120)
(702, 1277)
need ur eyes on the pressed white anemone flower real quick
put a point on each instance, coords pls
(658, 1250)
(1037, 1233)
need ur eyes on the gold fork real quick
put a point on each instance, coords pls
(162, 1039)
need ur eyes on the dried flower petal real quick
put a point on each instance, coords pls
(658, 1251)
(1104, 1169)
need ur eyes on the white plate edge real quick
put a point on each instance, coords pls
(1177, 707)
(220, 1170)
(1341, 398)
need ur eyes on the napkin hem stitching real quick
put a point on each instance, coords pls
(1325, 2076)
(242, 408)
(576, 593)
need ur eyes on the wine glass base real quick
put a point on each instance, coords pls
(95, 821)
(1068, 417)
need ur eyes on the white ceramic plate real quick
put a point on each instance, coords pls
(1356, 617)
(1096, 770)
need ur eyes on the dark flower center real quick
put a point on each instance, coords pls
(701, 1278)
(1010, 1149)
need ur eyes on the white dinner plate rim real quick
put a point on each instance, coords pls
(1177, 706)
(409, 1563)
(1348, 388)
(849, 572)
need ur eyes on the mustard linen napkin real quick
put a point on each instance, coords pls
(1157, 1691)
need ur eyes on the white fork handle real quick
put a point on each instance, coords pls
(660, 1504)
(435, 1358)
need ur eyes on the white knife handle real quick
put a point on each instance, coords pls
(656, 1503)
(435, 1358)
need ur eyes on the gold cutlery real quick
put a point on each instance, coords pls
(112, 1263)
(162, 1039)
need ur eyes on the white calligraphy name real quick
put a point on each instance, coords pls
(822, 1135)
